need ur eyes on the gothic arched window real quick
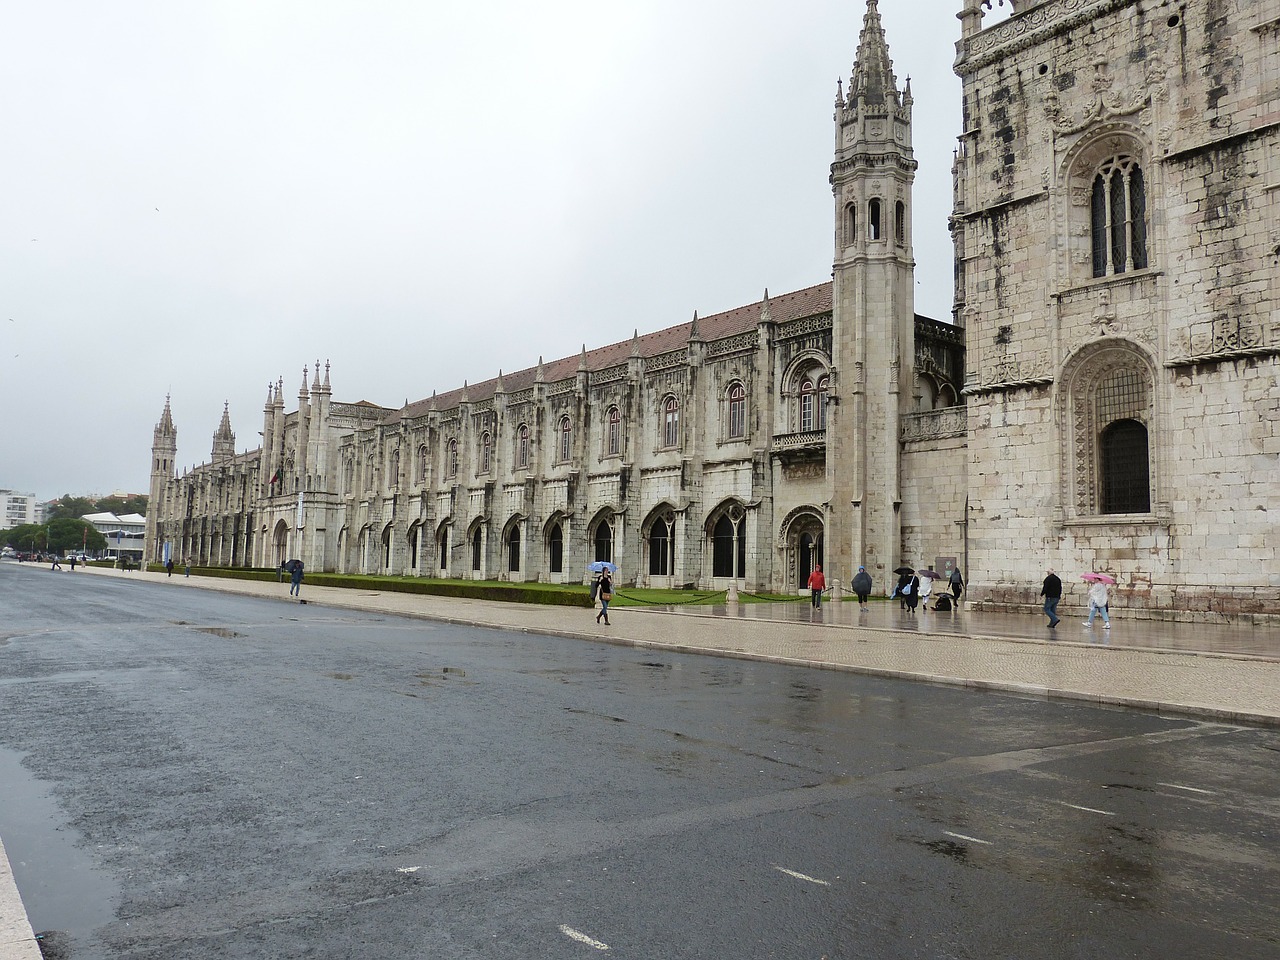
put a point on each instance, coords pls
(670, 422)
(513, 549)
(851, 224)
(737, 411)
(604, 540)
(613, 432)
(566, 439)
(874, 226)
(451, 459)
(486, 451)
(813, 403)
(1118, 217)
(522, 446)
(1111, 395)
(900, 223)
(662, 548)
(420, 474)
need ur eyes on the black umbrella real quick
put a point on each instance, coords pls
(904, 571)
(292, 565)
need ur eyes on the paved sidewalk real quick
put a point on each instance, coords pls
(1221, 672)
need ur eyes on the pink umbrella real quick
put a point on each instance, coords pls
(1091, 577)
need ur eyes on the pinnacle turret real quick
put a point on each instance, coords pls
(873, 81)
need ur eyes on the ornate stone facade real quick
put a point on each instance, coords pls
(1106, 396)
(1116, 244)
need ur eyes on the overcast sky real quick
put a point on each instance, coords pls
(202, 197)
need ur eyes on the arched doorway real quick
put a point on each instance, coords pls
(280, 542)
(555, 549)
(810, 555)
(603, 539)
(727, 530)
(386, 548)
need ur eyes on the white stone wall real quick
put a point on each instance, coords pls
(1189, 90)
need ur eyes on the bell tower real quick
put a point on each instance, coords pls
(873, 310)
(164, 452)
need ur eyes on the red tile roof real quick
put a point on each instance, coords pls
(787, 306)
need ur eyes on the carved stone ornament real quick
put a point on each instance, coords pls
(1104, 104)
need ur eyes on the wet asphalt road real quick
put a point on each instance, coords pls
(193, 775)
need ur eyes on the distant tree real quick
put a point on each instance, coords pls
(67, 535)
(72, 507)
(29, 536)
(123, 505)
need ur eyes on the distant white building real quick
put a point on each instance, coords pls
(17, 509)
(125, 535)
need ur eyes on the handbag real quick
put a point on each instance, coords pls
(606, 595)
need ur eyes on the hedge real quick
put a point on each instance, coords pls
(468, 589)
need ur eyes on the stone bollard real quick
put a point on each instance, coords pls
(837, 592)
(732, 593)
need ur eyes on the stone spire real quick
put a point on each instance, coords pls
(315, 380)
(873, 80)
(165, 428)
(224, 441)
(327, 388)
(582, 359)
(694, 333)
(302, 391)
(541, 375)
(635, 342)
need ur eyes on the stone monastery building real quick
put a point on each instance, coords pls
(1105, 397)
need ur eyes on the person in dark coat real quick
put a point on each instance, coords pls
(957, 584)
(900, 591)
(861, 585)
(295, 579)
(1052, 593)
(912, 591)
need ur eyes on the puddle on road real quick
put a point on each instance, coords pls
(61, 887)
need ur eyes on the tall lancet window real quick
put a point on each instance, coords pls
(1118, 214)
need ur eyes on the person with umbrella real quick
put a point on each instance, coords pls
(861, 584)
(925, 590)
(1099, 597)
(295, 578)
(605, 593)
(903, 588)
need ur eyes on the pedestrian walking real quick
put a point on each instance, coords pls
(295, 578)
(903, 587)
(56, 564)
(817, 583)
(924, 591)
(957, 584)
(911, 592)
(1052, 593)
(861, 584)
(168, 567)
(1099, 597)
(187, 564)
(605, 592)
(73, 563)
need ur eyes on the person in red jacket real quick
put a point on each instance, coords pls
(817, 583)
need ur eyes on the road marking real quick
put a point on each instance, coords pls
(1076, 806)
(1178, 786)
(961, 836)
(801, 876)
(407, 869)
(573, 934)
